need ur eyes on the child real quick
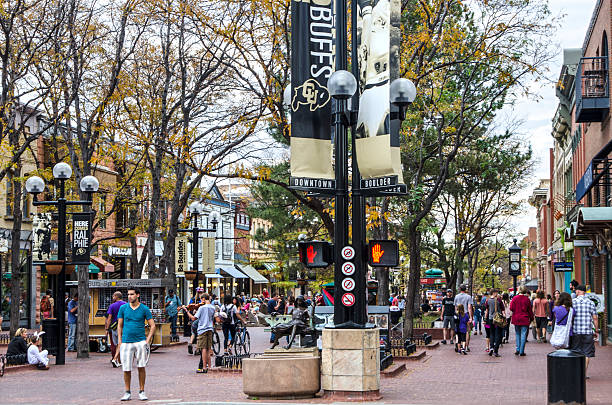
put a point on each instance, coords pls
(462, 328)
(35, 356)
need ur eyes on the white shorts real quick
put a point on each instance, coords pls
(139, 350)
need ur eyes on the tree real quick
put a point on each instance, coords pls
(466, 60)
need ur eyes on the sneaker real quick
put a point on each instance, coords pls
(142, 396)
(190, 348)
(516, 353)
(490, 352)
(443, 342)
(523, 354)
(468, 350)
(115, 363)
(497, 355)
(464, 352)
(200, 371)
(127, 396)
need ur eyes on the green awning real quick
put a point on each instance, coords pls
(590, 215)
(93, 268)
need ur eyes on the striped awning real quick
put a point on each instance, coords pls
(252, 274)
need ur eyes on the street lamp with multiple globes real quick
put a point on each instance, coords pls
(36, 185)
(342, 85)
(196, 209)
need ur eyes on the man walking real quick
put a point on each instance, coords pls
(205, 320)
(585, 325)
(172, 303)
(447, 313)
(110, 325)
(494, 306)
(132, 341)
(272, 305)
(73, 307)
(468, 304)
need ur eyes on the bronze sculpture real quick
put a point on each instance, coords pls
(299, 325)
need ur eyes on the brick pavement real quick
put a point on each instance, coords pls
(443, 377)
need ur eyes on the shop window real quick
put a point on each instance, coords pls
(6, 276)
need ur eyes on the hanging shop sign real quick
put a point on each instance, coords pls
(119, 251)
(312, 61)
(564, 266)
(81, 237)
(208, 255)
(377, 143)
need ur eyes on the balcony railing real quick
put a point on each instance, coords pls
(592, 90)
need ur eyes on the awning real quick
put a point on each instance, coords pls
(590, 223)
(213, 275)
(230, 271)
(270, 266)
(252, 274)
(102, 264)
(93, 268)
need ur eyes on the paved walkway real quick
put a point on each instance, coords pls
(443, 377)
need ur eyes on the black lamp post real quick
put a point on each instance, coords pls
(36, 185)
(514, 263)
(196, 209)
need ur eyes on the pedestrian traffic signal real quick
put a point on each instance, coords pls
(383, 253)
(316, 254)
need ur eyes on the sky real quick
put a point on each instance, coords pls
(537, 115)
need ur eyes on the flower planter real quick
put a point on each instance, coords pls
(190, 275)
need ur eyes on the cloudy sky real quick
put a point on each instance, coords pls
(537, 115)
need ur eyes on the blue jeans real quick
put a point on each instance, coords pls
(172, 320)
(71, 336)
(521, 337)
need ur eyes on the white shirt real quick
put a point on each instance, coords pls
(35, 356)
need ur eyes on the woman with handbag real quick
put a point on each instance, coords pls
(563, 313)
(495, 314)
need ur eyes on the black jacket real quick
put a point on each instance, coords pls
(17, 346)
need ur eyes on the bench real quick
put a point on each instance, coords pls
(12, 361)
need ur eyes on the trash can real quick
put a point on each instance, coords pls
(49, 338)
(566, 377)
(395, 313)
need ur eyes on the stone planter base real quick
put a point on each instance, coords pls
(352, 396)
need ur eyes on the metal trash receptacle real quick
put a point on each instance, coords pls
(566, 377)
(395, 314)
(49, 338)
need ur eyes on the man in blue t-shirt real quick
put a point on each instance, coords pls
(172, 304)
(73, 307)
(133, 342)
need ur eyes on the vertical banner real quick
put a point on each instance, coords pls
(41, 237)
(180, 255)
(378, 39)
(312, 61)
(208, 255)
(81, 237)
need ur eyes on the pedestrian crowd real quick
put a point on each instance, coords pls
(564, 320)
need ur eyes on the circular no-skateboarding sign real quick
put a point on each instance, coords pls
(348, 284)
(348, 269)
(348, 253)
(348, 299)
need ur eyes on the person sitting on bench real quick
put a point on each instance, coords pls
(36, 357)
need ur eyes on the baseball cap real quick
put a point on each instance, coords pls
(581, 287)
(199, 289)
(449, 290)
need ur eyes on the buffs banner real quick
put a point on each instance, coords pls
(378, 38)
(81, 237)
(312, 61)
(180, 255)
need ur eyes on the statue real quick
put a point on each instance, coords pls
(299, 325)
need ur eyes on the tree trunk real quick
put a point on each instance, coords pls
(16, 264)
(83, 318)
(414, 279)
(382, 275)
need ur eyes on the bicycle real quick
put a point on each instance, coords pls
(242, 344)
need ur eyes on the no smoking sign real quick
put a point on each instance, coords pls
(348, 253)
(348, 300)
(348, 284)
(348, 269)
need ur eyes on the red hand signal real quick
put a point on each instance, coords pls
(377, 253)
(311, 254)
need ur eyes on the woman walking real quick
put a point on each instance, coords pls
(551, 306)
(508, 315)
(540, 309)
(563, 314)
(522, 315)
(478, 315)
(495, 311)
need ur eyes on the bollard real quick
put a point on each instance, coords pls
(566, 377)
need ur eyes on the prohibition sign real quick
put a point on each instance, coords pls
(348, 299)
(348, 252)
(348, 269)
(348, 284)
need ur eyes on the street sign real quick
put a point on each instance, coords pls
(319, 186)
(348, 284)
(564, 266)
(383, 253)
(348, 253)
(378, 182)
(348, 299)
(348, 269)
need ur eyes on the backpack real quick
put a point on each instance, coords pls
(231, 318)
(45, 305)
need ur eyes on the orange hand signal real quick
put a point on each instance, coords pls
(311, 254)
(377, 253)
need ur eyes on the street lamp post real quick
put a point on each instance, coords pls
(195, 209)
(36, 185)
